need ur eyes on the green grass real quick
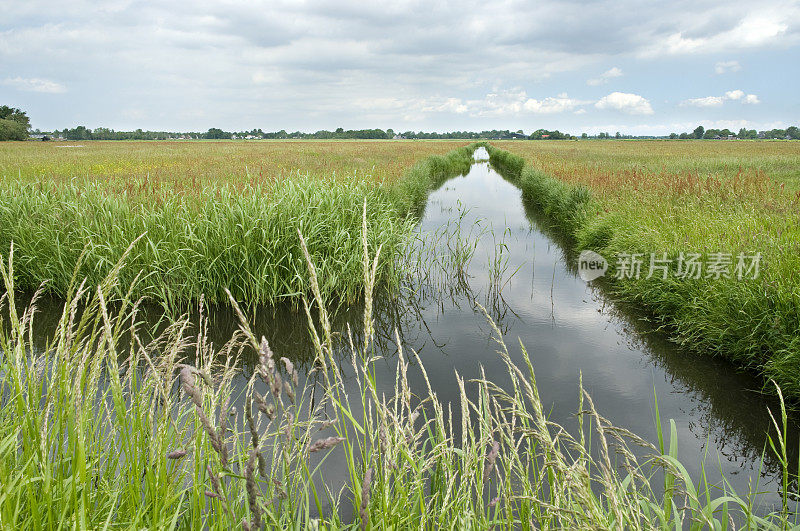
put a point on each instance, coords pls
(752, 322)
(104, 428)
(242, 238)
(96, 434)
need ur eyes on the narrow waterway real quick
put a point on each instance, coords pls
(530, 287)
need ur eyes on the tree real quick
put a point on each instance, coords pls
(216, 134)
(79, 133)
(14, 124)
(12, 130)
(748, 134)
(10, 113)
(699, 131)
(793, 132)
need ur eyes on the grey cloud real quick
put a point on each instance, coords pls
(272, 59)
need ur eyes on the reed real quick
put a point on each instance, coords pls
(240, 237)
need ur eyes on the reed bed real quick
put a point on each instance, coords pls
(236, 236)
(104, 430)
(751, 321)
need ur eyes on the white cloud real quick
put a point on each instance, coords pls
(718, 101)
(603, 78)
(756, 30)
(723, 67)
(35, 84)
(516, 102)
(454, 105)
(708, 101)
(561, 103)
(500, 103)
(753, 30)
(625, 102)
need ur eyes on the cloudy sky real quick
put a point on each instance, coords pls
(631, 66)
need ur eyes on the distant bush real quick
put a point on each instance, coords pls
(14, 124)
(12, 130)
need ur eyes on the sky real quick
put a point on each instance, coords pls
(636, 67)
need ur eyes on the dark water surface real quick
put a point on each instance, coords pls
(527, 283)
(570, 329)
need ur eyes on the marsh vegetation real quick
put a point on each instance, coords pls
(404, 394)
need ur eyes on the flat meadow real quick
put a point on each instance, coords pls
(183, 166)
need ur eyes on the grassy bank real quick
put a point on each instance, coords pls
(616, 211)
(190, 454)
(224, 234)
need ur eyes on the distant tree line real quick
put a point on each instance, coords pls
(790, 133)
(15, 125)
(101, 133)
(544, 134)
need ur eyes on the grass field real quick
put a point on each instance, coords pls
(623, 198)
(188, 167)
(213, 215)
(607, 165)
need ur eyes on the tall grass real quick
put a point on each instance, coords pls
(241, 238)
(103, 431)
(752, 322)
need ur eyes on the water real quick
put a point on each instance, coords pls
(570, 329)
(527, 283)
